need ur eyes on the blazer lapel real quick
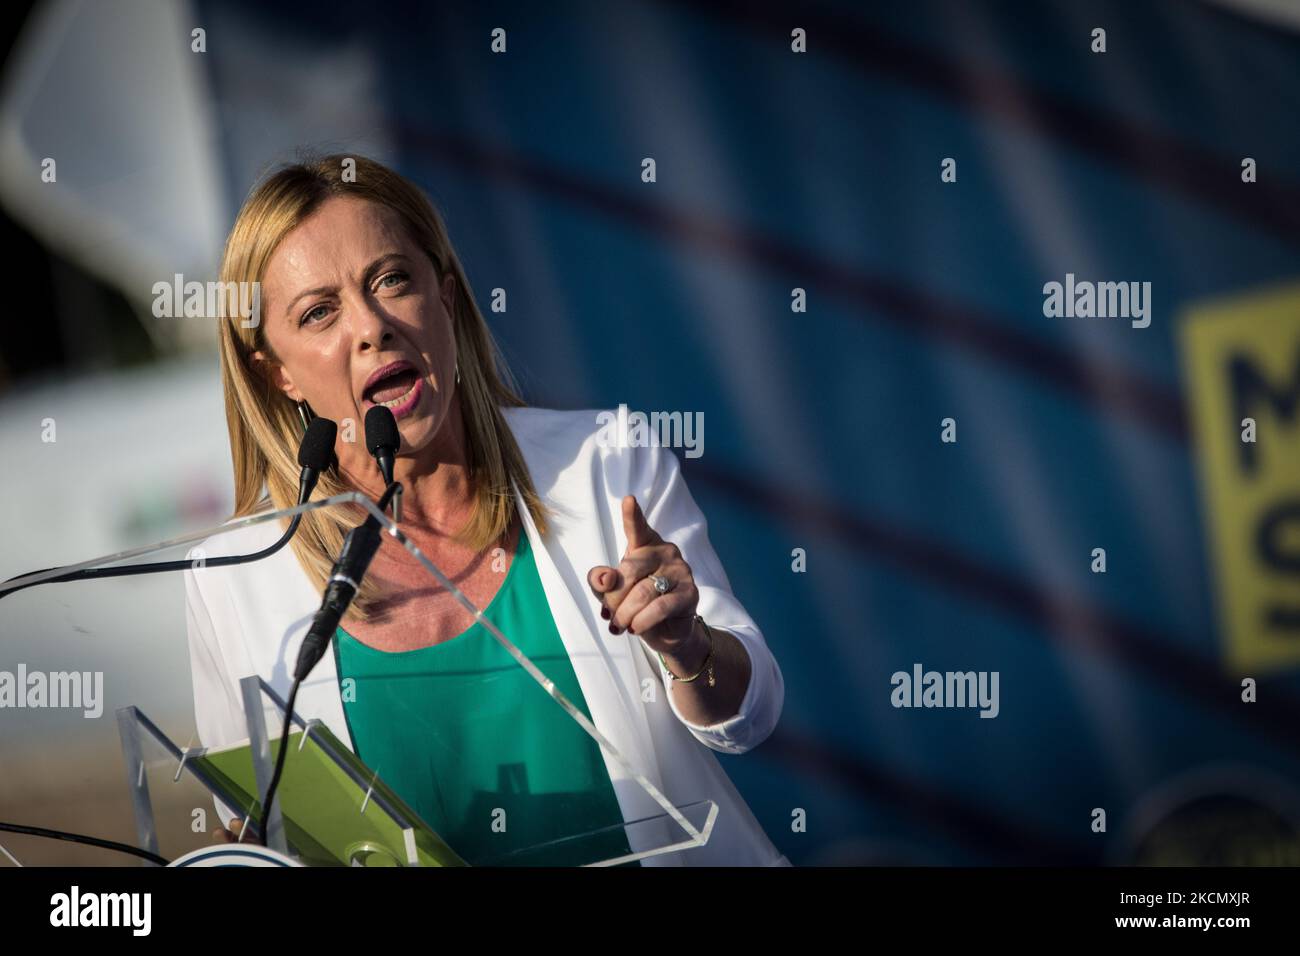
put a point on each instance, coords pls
(602, 662)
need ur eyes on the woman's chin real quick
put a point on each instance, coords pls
(417, 431)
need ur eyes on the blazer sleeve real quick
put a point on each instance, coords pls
(216, 710)
(671, 510)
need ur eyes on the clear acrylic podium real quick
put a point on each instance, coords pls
(331, 808)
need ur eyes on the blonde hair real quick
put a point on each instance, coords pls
(264, 424)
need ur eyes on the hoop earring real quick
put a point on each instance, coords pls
(306, 414)
(457, 371)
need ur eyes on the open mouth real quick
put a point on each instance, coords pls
(394, 391)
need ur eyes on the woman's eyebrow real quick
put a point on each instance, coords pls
(386, 257)
(319, 290)
(367, 273)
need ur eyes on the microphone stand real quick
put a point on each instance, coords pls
(358, 549)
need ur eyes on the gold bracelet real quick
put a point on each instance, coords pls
(707, 665)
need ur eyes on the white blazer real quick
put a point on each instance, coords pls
(250, 619)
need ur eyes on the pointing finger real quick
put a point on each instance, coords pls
(639, 533)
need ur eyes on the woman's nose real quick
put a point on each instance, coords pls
(370, 327)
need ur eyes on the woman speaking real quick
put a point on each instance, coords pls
(594, 560)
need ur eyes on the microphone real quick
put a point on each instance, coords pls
(315, 455)
(359, 547)
(382, 439)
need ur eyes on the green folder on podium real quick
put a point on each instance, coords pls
(330, 818)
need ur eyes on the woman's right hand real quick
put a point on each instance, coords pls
(222, 835)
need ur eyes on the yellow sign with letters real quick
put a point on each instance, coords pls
(1241, 359)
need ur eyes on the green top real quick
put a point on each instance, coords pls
(478, 749)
